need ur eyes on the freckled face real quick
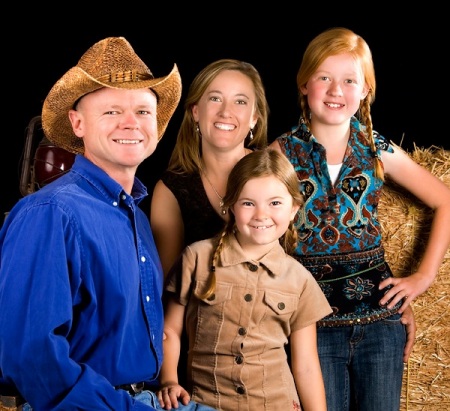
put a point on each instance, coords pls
(335, 90)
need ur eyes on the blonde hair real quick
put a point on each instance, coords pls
(331, 42)
(260, 163)
(186, 155)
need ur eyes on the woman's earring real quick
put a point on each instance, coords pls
(250, 136)
(197, 130)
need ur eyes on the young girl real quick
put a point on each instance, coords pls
(341, 163)
(225, 118)
(243, 298)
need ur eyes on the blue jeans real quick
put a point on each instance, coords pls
(149, 398)
(362, 365)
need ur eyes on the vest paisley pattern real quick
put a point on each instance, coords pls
(339, 231)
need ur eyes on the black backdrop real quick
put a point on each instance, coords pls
(409, 75)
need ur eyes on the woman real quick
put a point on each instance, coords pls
(225, 118)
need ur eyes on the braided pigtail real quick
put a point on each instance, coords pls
(366, 119)
(305, 110)
(290, 238)
(212, 276)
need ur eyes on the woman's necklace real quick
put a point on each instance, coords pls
(223, 210)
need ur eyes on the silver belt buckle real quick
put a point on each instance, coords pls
(137, 387)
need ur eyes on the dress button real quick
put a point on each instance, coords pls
(242, 331)
(238, 359)
(248, 297)
(253, 267)
(240, 390)
(281, 306)
(212, 297)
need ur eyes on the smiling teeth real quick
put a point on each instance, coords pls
(227, 127)
(128, 141)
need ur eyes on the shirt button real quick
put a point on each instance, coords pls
(238, 359)
(115, 203)
(124, 197)
(212, 297)
(253, 267)
(242, 331)
(143, 259)
(281, 306)
(248, 297)
(147, 298)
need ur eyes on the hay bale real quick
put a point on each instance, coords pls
(405, 224)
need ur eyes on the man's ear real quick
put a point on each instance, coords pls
(75, 120)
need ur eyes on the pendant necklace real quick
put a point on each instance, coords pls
(223, 210)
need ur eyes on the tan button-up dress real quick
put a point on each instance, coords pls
(237, 359)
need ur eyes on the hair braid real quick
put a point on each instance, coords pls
(212, 277)
(290, 238)
(366, 119)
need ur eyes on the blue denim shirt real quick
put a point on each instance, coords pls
(80, 294)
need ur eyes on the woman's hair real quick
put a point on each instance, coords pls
(331, 42)
(260, 163)
(186, 155)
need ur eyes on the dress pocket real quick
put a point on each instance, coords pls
(281, 303)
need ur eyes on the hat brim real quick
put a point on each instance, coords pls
(76, 83)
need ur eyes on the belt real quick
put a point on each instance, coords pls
(132, 389)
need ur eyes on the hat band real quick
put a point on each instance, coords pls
(125, 76)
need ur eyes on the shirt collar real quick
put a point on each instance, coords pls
(110, 188)
(232, 254)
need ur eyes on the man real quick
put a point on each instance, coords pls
(81, 324)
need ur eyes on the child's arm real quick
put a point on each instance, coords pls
(435, 194)
(170, 391)
(306, 369)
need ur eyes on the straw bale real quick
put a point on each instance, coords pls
(405, 223)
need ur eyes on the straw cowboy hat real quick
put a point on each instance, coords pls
(111, 62)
